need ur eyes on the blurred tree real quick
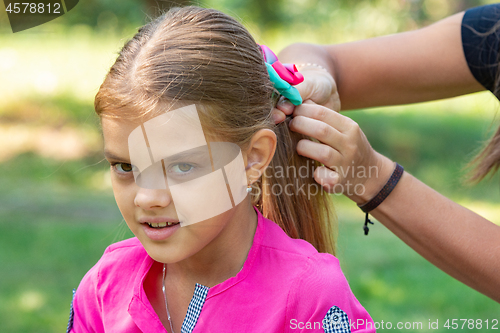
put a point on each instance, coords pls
(427, 11)
(461, 5)
(106, 14)
(155, 7)
(355, 19)
(267, 13)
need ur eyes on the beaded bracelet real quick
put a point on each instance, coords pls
(310, 64)
(384, 192)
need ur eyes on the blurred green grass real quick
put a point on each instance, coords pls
(58, 216)
(49, 238)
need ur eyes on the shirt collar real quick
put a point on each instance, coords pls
(249, 262)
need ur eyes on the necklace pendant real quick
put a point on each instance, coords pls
(165, 297)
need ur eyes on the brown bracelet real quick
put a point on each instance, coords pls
(384, 192)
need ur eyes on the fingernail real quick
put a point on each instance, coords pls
(328, 176)
(287, 105)
(278, 117)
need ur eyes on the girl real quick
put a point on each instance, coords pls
(236, 270)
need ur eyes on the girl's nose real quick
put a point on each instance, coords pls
(148, 199)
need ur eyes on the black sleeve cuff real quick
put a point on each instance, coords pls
(480, 39)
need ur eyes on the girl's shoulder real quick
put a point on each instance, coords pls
(321, 297)
(126, 243)
(278, 246)
(318, 291)
(132, 246)
(123, 256)
(114, 274)
(273, 237)
(116, 266)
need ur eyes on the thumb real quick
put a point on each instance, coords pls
(305, 89)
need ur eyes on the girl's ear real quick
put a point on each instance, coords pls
(259, 153)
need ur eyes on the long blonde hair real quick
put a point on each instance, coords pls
(203, 56)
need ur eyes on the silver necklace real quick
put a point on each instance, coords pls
(165, 297)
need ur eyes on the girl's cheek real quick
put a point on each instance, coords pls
(124, 191)
(125, 200)
(121, 179)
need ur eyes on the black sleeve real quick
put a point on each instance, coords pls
(480, 39)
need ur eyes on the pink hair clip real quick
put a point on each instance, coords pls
(287, 72)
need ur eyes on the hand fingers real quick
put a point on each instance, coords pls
(334, 102)
(323, 175)
(285, 105)
(317, 129)
(326, 115)
(327, 178)
(305, 88)
(320, 87)
(278, 116)
(320, 152)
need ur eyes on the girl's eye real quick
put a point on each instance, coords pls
(122, 167)
(182, 168)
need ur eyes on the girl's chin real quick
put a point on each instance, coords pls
(164, 255)
(172, 253)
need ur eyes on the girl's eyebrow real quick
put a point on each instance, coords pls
(191, 153)
(111, 156)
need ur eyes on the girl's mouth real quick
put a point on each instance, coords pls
(161, 225)
(160, 230)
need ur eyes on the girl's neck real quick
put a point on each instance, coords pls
(224, 256)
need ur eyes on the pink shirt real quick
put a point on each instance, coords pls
(285, 285)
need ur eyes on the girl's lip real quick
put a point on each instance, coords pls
(159, 233)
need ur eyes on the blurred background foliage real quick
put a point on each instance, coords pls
(57, 211)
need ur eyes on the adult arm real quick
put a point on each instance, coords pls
(409, 67)
(455, 239)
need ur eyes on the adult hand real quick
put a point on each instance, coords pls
(351, 166)
(318, 86)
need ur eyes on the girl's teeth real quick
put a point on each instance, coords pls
(161, 225)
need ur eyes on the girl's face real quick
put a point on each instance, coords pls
(150, 213)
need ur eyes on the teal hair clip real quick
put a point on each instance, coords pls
(283, 76)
